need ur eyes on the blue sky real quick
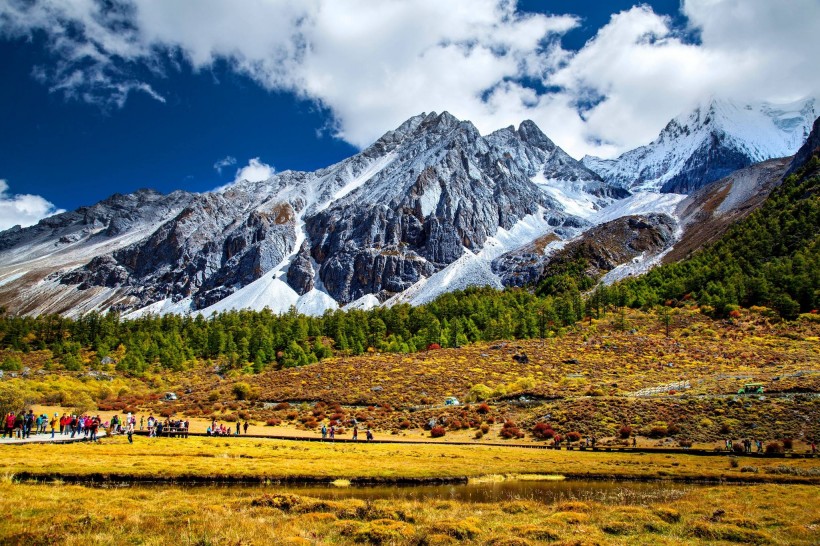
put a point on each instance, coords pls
(191, 95)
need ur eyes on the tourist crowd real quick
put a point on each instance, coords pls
(23, 425)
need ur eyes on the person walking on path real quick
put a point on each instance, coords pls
(130, 431)
(324, 432)
(28, 424)
(355, 432)
(8, 429)
(245, 428)
(369, 435)
(238, 424)
(54, 423)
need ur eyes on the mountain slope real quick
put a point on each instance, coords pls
(771, 257)
(709, 143)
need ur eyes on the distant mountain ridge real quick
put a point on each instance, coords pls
(711, 142)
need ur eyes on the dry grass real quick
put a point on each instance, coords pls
(62, 514)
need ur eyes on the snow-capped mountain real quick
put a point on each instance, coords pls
(709, 143)
(371, 226)
(430, 207)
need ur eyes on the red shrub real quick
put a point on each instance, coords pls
(483, 409)
(788, 443)
(433, 347)
(625, 432)
(543, 431)
(273, 422)
(405, 424)
(574, 436)
(774, 447)
(281, 406)
(437, 432)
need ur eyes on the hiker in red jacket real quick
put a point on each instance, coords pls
(9, 425)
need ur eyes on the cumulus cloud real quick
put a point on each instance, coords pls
(23, 209)
(255, 171)
(372, 65)
(226, 161)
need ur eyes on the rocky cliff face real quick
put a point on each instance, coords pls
(446, 189)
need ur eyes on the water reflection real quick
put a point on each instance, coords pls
(546, 492)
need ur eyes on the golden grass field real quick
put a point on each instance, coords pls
(77, 515)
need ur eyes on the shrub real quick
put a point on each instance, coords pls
(433, 347)
(625, 432)
(511, 430)
(574, 436)
(733, 462)
(273, 422)
(242, 391)
(483, 408)
(774, 447)
(11, 363)
(437, 431)
(479, 435)
(788, 443)
(543, 431)
(657, 432)
(738, 447)
(281, 406)
(485, 428)
(405, 424)
(479, 392)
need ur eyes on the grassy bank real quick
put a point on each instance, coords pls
(255, 459)
(67, 514)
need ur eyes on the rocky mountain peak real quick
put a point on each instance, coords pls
(708, 143)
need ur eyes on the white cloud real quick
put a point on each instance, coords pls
(372, 65)
(226, 161)
(23, 209)
(254, 171)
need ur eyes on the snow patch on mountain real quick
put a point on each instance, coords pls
(469, 270)
(524, 231)
(363, 177)
(638, 204)
(368, 301)
(570, 195)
